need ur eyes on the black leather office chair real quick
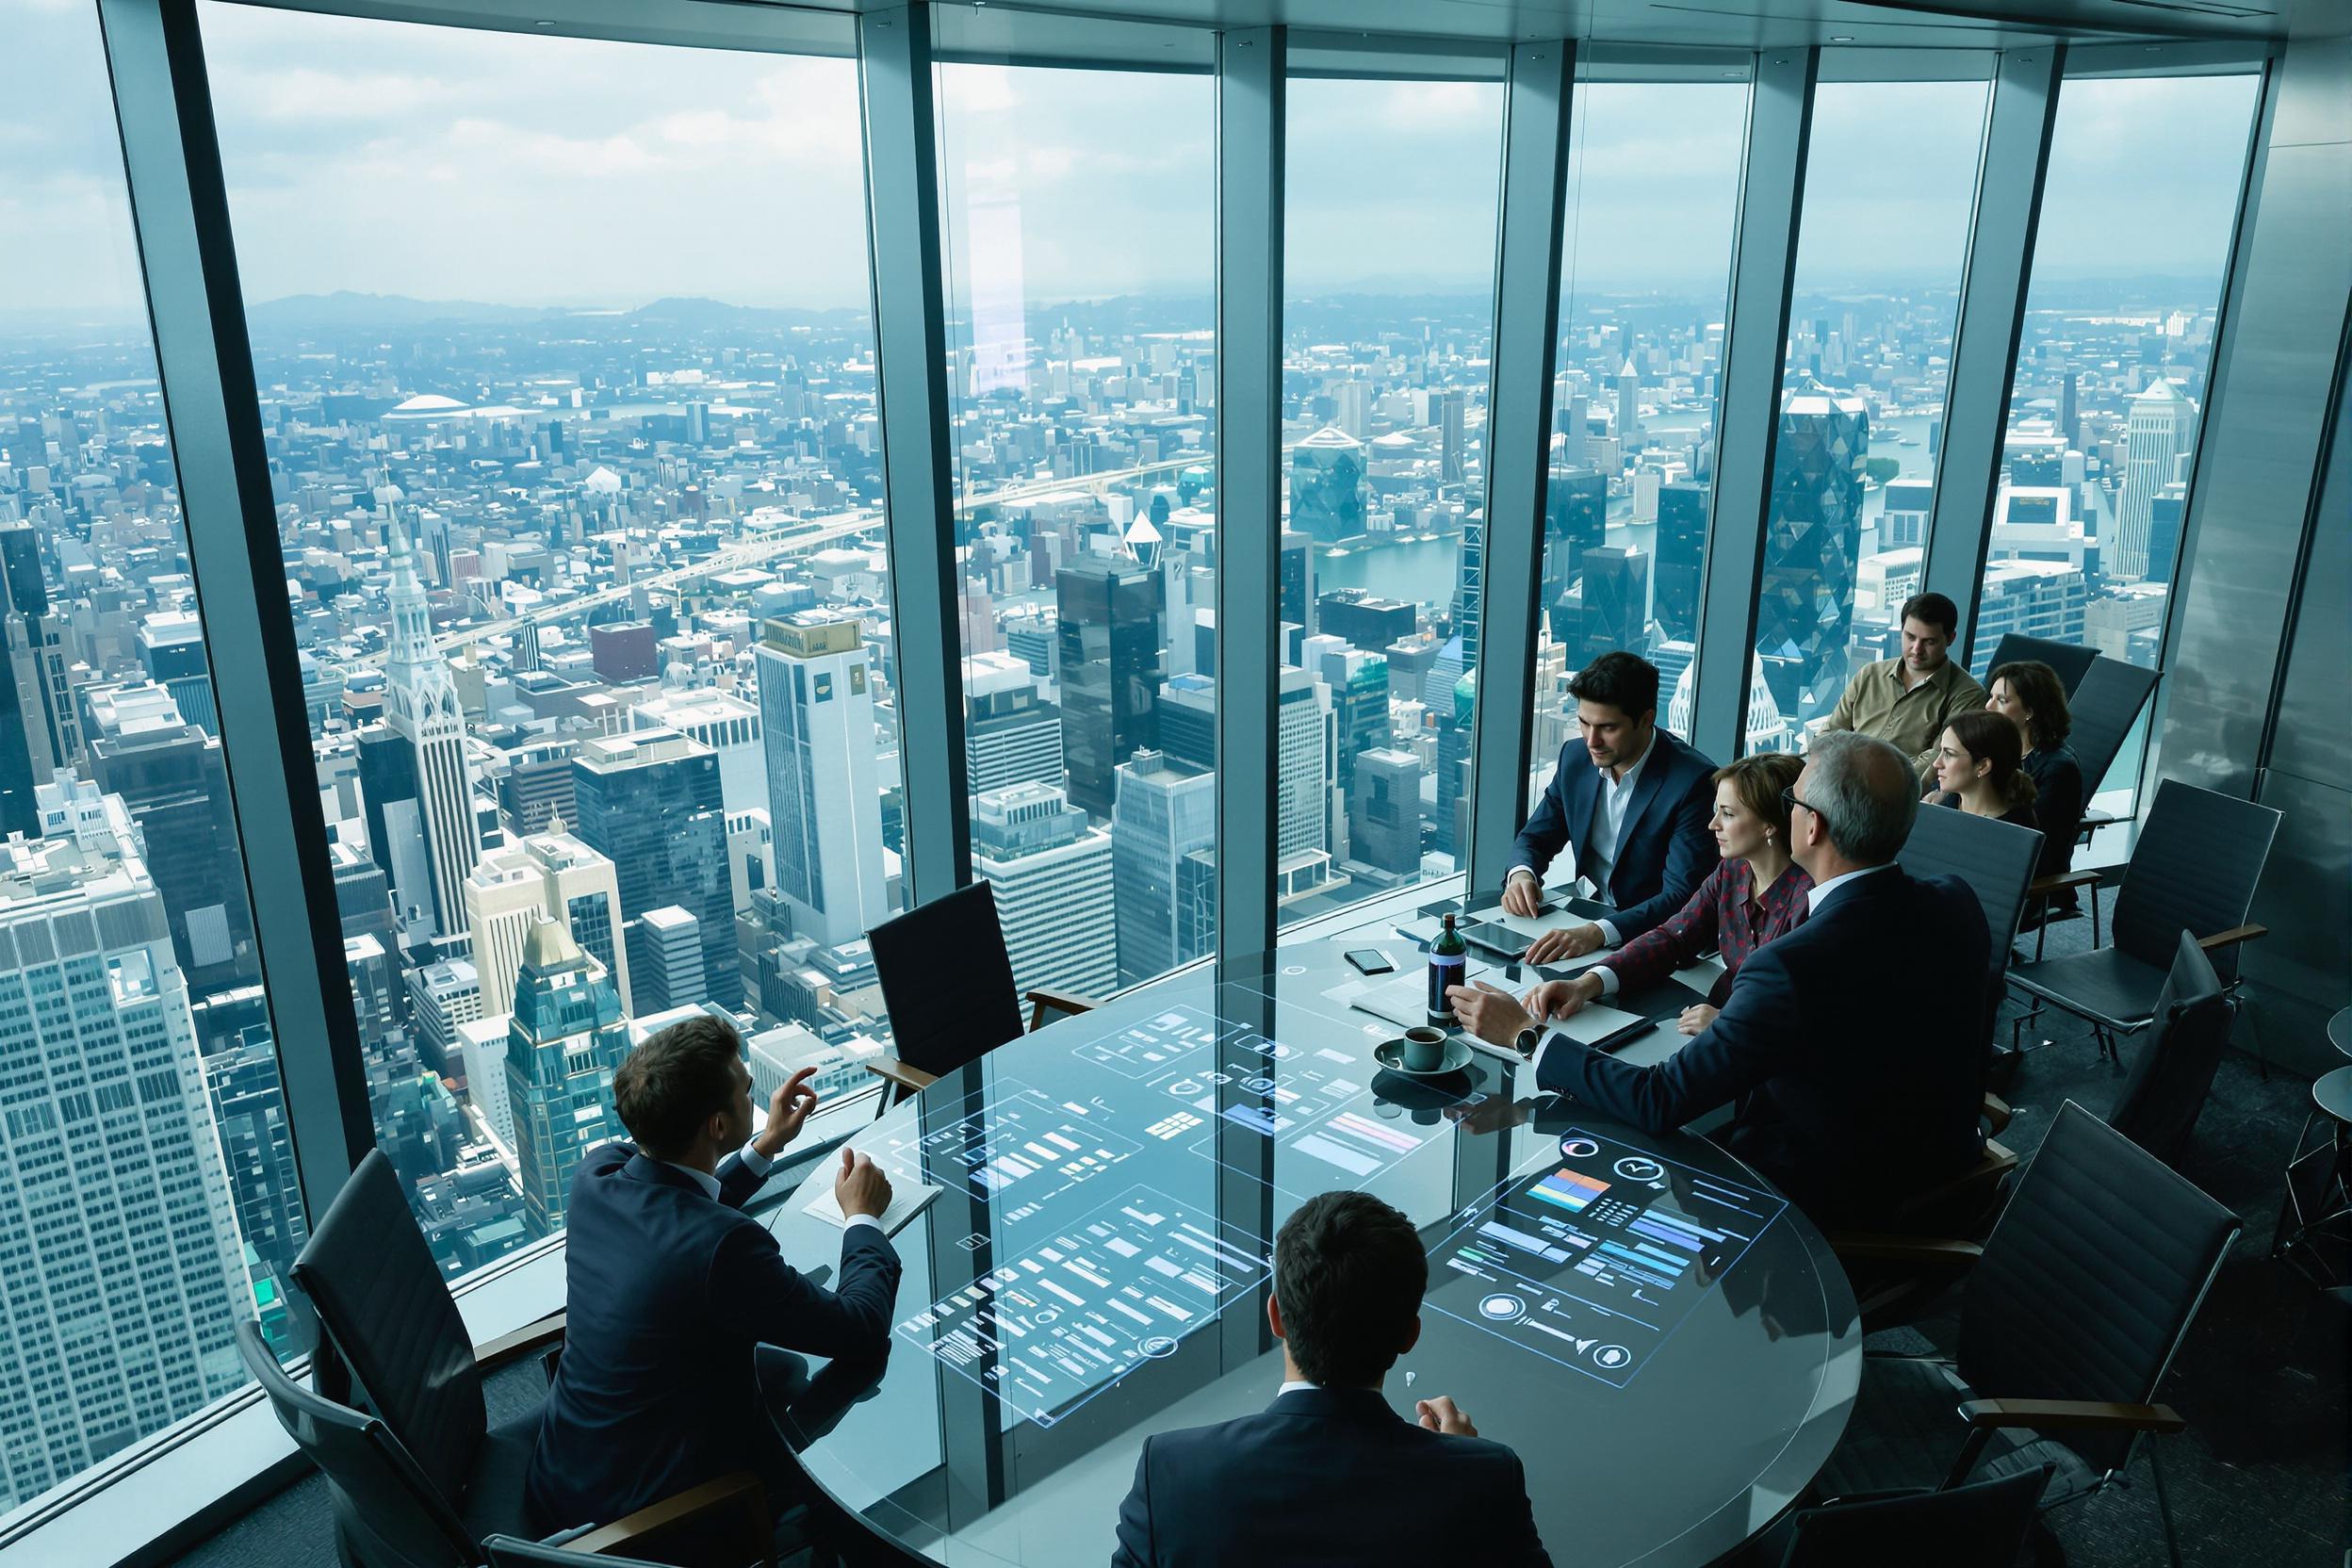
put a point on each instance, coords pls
(2074, 1310)
(2172, 1070)
(391, 1341)
(2070, 661)
(2195, 868)
(1994, 860)
(1983, 1524)
(2104, 706)
(947, 983)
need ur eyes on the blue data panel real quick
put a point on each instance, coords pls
(1081, 1307)
(1593, 1261)
(1010, 1146)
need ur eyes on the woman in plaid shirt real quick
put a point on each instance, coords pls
(1756, 893)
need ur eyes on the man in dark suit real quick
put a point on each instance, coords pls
(1629, 801)
(672, 1288)
(1328, 1474)
(1851, 1044)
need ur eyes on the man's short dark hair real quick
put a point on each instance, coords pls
(1625, 681)
(1936, 609)
(1348, 1274)
(675, 1081)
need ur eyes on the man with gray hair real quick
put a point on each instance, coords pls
(1849, 1045)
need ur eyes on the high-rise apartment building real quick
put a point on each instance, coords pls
(565, 1038)
(1053, 875)
(650, 803)
(2158, 431)
(125, 1274)
(422, 708)
(1111, 660)
(825, 805)
(1165, 810)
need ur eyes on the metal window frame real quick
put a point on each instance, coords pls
(2012, 165)
(1252, 97)
(1756, 342)
(1536, 115)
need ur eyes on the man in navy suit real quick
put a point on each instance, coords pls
(1328, 1474)
(1629, 801)
(1852, 1044)
(672, 1288)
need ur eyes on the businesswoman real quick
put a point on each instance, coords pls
(1979, 768)
(1755, 894)
(2028, 694)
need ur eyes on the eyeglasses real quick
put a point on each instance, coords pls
(1789, 799)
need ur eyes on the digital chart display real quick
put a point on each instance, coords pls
(1594, 1260)
(1153, 1048)
(1086, 1304)
(1016, 1153)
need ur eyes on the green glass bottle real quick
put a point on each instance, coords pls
(1448, 960)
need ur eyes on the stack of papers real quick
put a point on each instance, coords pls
(907, 1199)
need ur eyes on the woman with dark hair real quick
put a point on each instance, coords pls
(1980, 769)
(1755, 894)
(2028, 694)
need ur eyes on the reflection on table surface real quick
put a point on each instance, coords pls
(1668, 1345)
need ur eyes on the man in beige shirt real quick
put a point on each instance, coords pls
(1907, 701)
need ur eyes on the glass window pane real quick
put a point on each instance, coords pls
(566, 363)
(1645, 278)
(1879, 259)
(2111, 379)
(1393, 193)
(147, 1190)
(1080, 253)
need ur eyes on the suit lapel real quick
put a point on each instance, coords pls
(1644, 791)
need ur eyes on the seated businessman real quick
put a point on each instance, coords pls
(1328, 1474)
(672, 1289)
(1857, 1079)
(1631, 805)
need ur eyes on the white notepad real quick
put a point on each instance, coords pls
(907, 1199)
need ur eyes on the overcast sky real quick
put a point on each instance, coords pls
(444, 164)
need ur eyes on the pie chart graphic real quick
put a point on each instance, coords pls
(1577, 1146)
(1502, 1307)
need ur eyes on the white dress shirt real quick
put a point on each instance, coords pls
(757, 1163)
(1596, 855)
(1820, 891)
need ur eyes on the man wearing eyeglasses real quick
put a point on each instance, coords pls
(1848, 1046)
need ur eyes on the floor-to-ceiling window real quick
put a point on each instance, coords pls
(1078, 244)
(1653, 199)
(1392, 189)
(567, 377)
(148, 1200)
(2114, 367)
(1889, 188)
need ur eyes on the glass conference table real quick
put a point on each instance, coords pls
(1668, 1344)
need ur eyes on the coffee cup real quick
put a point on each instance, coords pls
(1424, 1049)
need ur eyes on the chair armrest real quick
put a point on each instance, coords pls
(1043, 999)
(2057, 880)
(492, 1353)
(1997, 1114)
(912, 1079)
(2093, 821)
(1884, 1247)
(2233, 936)
(735, 1504)
(2071, 1415)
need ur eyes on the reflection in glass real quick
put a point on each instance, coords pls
(1393, 195)
(1644, 284)
(1883, 243)
(578, 476)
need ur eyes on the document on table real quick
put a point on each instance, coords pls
(1595, 1021)
(907, 1199)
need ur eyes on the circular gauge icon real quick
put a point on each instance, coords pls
(1577, 1148)
(1611, 1356)
(1183, 1088)
(1045, 1314)
(1157, 1346)
(1294, 968)
(1501, 1308)
(1640, 1167)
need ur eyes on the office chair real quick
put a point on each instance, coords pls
(2069, 662)
(947, 984)
(2172, 1072)
(1994, 860)
(2076, 1306)
(2195, 868)
(2104, 704)
(1982, 1525)
(390, 1339)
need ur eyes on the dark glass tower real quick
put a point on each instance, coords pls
(565, 1040)
(1681, 557)
(650, 803)
(1576, 519)
(1804, 611)
(1112, 659)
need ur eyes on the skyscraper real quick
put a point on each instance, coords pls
(1805, 609)
(1305, 738)
(38, 731)
(665, 956)
(1327, 472)
(1012, 733)
(420, 707)
(650, 803)
(1628, 407)
(1165, 810)
(126, 1278)
(1616, 597)
(1681, 558)
(1576, 519)
(1384, 810)
(567, 1037)
(1053, 876)
(1113, 658)
(2156, 433)
(825, 805)
(552, 876)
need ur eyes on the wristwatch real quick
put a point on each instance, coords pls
(1530, 1037)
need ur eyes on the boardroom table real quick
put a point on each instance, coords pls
(1666, 1343)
